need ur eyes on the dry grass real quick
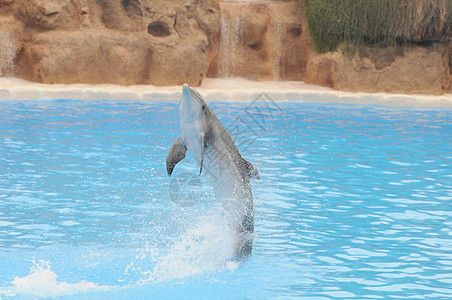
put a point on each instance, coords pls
(358, 22)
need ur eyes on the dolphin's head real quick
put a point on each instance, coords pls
(191, 107)
(193, 113)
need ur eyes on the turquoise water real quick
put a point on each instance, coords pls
(353, 202)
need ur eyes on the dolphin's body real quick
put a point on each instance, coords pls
(229, 174)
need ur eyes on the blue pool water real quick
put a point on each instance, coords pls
(353, 202)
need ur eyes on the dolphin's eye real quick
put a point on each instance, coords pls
(204, 108)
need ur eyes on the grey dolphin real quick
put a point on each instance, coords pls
(228, 172)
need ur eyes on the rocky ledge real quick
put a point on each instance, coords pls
(102, 41)
(130, 42)
(407, 70)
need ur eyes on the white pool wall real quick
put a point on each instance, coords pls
(214, 89)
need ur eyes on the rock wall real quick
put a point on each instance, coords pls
(172, 42)
(111, 41)
(409, 69)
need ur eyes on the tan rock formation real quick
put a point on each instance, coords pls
(6, 2)
(49, 14)
(121, 41)
(448, 85)
(419, 70)
(173, 42)
(90, 56)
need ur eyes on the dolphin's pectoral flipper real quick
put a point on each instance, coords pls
(175, 155)
(203, 144)
(252, 171)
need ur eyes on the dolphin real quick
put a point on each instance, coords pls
(227, 171)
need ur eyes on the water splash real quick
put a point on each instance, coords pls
(7, 52)
(229, 50)
(234, 54)
(206, 247)
(280, 35)
(42, 283)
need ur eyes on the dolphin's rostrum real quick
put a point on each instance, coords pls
(229, 173)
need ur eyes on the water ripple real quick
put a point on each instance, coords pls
(353, 201)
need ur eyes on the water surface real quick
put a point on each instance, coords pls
(353, 202)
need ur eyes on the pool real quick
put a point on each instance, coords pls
(354, 202)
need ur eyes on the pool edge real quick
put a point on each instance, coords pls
(215, 89)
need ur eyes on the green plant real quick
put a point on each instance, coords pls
(361, 22)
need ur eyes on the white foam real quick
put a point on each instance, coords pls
(42, 283)
(207, 247)
(214, 89)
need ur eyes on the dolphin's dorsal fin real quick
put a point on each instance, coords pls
(252, 171)
(175, 155)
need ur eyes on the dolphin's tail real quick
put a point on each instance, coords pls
(244, 238)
